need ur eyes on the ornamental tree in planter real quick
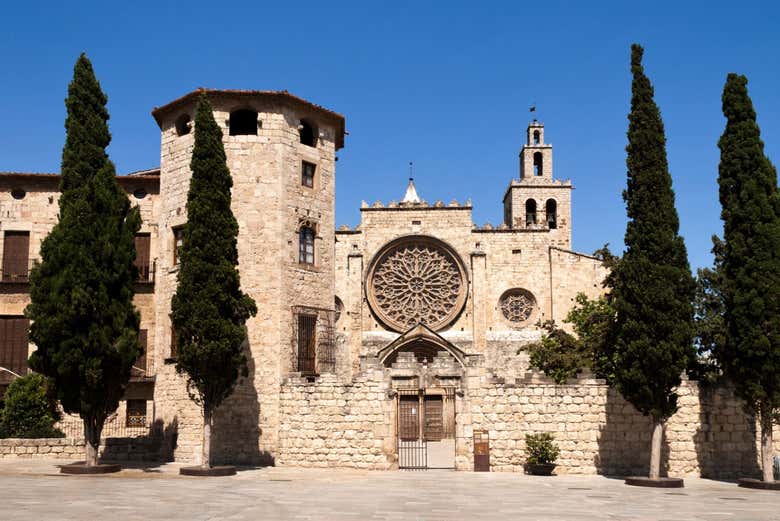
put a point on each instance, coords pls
(209, 310)
(542, 453)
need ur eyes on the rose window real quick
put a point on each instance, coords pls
(416, 280)
(517, 305)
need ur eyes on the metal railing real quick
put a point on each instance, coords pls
(117, 428)
(143, 369)
(146, 273)
(17, 273)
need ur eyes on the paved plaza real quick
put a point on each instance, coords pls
(37, 492)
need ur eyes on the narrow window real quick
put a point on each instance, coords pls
(139, 366)
(306, 245)
(530, 213)
(243, 122)
(183, 125)
(16, 256)
(536, 137)
(136, 413)
(307, 174)
(13, 347)
(307, 333)
(142, 260)
(174, 342)
(308, 133)
(178, 242)
(551, 210)
(537, 163)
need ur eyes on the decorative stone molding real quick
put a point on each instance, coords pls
(416, 279)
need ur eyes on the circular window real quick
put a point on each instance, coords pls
(18, 193)
(139, 193)
(517, 305)
(339, 306)
(416, 279)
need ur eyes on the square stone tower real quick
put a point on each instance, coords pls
(281, 152)
(537, 201)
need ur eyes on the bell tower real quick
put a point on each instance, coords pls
(537, 201)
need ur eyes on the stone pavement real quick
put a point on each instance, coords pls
(32, 490)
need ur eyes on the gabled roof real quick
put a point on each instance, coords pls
(280, 96)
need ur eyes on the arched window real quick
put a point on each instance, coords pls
(551, 211)
(530, 213)
(306, 245)
(308, 133)
(243, 122)
(183, 125)
(536, 137)
(537, 163)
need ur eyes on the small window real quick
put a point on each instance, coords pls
(536, 137)
(243, 123)
(308, 133)
(306, 245)
(143, 242)
(537, 163)
(174, 343)
(178, 242)
(16, 257)
(139, 193)
(307, 174)
(530, 213)
(551, 211)
(339, 309)
(136, 413)
(18, 193)
(183, 125)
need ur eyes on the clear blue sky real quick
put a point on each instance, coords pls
(444, 84)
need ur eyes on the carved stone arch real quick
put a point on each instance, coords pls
(416, 279)
(421, 340)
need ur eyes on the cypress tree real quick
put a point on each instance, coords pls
(652, 286)
(751, 263)
(81, 294)
(209, 310)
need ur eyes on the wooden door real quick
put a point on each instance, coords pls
(13, 347)
(408, 418)
(434, 425)
(142, 253)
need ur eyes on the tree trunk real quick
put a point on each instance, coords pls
(92, 430)
(767, 448)
(206, 455)
(655, 448)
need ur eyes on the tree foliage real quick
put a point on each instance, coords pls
(30, 409)
(709, 323)
(83, 320)
(652, 287)
(750, 356)
(209, 310)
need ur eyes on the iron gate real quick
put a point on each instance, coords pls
(412, 447)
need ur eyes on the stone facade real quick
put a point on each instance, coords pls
(403, 334)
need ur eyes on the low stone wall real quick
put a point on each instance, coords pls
(331, 424)
(113, 449)
(599, 432)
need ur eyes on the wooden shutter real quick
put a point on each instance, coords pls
(434, 427)
(307, 338)
(16, 255)
(140, 362)
(408, 418)
(13, 347)
(142, 261)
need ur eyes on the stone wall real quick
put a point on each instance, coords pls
(330, 424)
(599, 432)
(112, 449)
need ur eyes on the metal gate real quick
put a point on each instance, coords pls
(412, 447)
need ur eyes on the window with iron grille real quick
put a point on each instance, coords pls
(307, 174)
(136, 413)
(306, 245)
(16, 256)
(13, 347)
(307, 342)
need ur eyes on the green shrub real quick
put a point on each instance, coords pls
(541, 448)
(30, 409)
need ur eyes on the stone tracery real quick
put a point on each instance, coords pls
(416, 281)
(517, 305)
